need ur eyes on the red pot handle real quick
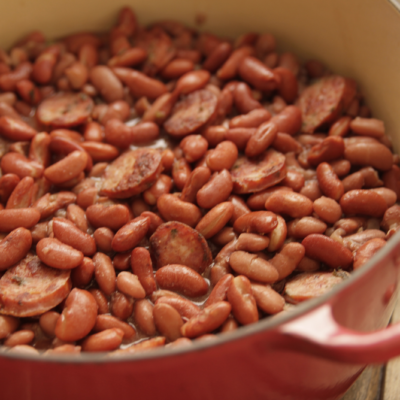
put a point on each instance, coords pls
(319, 334)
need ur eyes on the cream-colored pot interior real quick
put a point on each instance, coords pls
(357, 38)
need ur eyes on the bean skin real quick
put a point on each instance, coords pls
(182, 279)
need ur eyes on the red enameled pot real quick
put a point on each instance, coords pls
(314, 352)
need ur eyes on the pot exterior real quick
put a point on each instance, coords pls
(261, 365)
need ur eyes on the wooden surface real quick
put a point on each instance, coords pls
(379, 382)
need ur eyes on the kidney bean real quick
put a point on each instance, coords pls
(11, 219)
(302, 227)
(290, 203)
(122, 261)
(327, 209)
(366, 251)
(289, 120)
(216, 190)
(308, 265)
(8, 183)
(143, 314)
(129, 58)
(172, 208)
(23, 193)
(327, 250)
(78, 317)
(68, 168)
(57, 254)
(341, 167)
(218, 56)
(370, 153)
(106, 340)
(258, 222)
(328, 181)
(230, 67)
(294, 179)
(139, 84)
(331, 148)
(107, 83)
(168, 321)
(215, 219)
(113, 216)
(20, 337)
(391, 179)
(182, 279)
(180, 172)
(129, 284)
(253, 267)
(219, 292)
(104, 273)
(367, 127)
(262, 139)
(364, 202)
(130, 234)
(224, 236)
(253, 119)
(14, 163)
(121, 306)
(66, 232)
(391, 218)
(208, 320)
(257, 200)
(142, 267)
(341, 127)
(244, 100)
(8, 325)
(9, 80)
(14, 247)
(48, 321)
(196, 180)
(267, 299)
(82, 275)
(76, 215)
(101, 300)
(240, 296)
(252, 243)
(287, 259)
(194, 147)
(184, 307)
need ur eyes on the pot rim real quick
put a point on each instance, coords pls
(266, 324)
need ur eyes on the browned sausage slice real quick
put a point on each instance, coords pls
(191, 113)
(177, 243)
(324, 101)
(312, 284)
(159, 48)
(30, 288)
(131, 173)
(65, 110)
(254, 174)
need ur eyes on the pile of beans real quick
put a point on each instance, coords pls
(160, 185)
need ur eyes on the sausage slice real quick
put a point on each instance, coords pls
(191, 113)
(178, 243)
(324, 101)
(30, 288)
(254, 174)
(65, 110)
(312, 284)
(131, 173)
